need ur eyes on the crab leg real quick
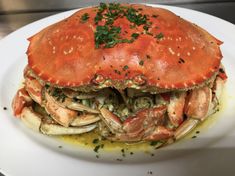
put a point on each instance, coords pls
(34, 88)
(85, 119)
(111, 120)
(34, 121)
(21, 100)
(52, 129)
(176, 107)
(145, 125)
(196, 109)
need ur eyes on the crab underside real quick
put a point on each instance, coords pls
(128, 115)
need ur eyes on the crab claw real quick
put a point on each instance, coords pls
(34, 88)
(144, 125)
(34, 121)
(85, 120)
(196, 109)
(21, 100)
(198, 103)
(159, 133)
(111, 120)
(176, 107)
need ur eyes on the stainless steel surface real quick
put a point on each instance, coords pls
(15, 14)
(35, 5)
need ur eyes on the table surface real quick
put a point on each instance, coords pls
(13, 20)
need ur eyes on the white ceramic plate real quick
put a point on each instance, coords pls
(23, 152)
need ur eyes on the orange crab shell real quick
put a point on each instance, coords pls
(64, 53)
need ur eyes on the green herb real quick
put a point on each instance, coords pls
(95, 141)
(135, 35)
(159, 36)
(194, 137)
(96, 149)
(141, 62)
(125, 67)
(107, 36)
(146, 28)
(197, 132)
(131, 153)
(84, 17)
(137, 18)
(117, 72)
(59, 95)
(153, 143)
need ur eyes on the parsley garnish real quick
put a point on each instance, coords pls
(84, 17)
(135, 35)
(141, 62)
(107, 36)
(159, 36)
(125, 67)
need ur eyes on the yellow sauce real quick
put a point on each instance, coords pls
(87, 140)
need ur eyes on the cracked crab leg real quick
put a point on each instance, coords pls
(52, 129)
(34, 121)
(85, 119)
(176, 107)
(196, 109)
(21, 100)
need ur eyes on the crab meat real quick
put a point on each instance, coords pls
(35, 121)
(34, 88)
(143, 126)
(199, 105)
(21, 100)
(176, 107)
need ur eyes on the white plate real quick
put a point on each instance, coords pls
(23, 152)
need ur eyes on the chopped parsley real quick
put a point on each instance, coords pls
(141, 62)
(84, 17)
(58, 94)
(136, 18)
(125, 67)
(95, 141)
(96, 149)
(159, 36)
(107, 35)
(153, 143)
(135, 35)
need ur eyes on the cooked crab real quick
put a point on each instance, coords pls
(130, 72)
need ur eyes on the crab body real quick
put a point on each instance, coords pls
(130, 72)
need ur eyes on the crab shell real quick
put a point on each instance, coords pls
(64, 53)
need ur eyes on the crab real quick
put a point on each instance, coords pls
(128, 72)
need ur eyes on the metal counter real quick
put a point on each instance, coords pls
(13, 17)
